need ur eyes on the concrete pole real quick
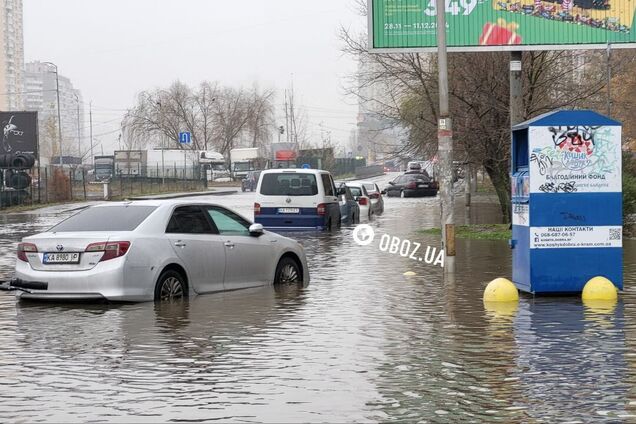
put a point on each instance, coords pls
(445, 143)
(79, 139)
(59, 112)
(90, 118)
(516, 89)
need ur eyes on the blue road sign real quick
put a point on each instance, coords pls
(306, 166)
(184, 138)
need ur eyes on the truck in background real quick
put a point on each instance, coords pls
(173, 163)
(248, 159)
(104, 167)
(130, 163)
(284, 155)
(214, 165)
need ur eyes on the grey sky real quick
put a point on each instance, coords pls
(112, 49)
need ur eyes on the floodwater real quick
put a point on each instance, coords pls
(361, 343)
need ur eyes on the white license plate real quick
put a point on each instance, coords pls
(288, 210)
(61, 258)
(423, 185)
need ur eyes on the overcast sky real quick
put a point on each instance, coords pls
(113, 49)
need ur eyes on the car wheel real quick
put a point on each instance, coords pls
(243, 189)
(402, 194)
(288, 272)
(171, 286)
(356, 218)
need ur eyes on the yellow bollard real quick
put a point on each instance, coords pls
(501, 290)
(599, 288)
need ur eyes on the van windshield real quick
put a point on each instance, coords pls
(289, 184)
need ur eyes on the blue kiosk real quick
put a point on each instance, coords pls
(566, 202)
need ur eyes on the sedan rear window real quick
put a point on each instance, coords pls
(105, 218)
(419, 177)
(289, 184)
(356, 191)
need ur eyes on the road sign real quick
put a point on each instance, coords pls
(496, 25)
(185, 138)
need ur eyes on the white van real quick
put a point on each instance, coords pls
(296, 199)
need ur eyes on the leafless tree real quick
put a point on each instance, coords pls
(217, 117)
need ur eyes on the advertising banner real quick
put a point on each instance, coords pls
(491, 25)
(19, 133)
(575, 159)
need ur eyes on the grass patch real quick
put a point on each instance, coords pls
(476, 232)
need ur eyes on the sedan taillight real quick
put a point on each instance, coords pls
(111, 249)
(363, 201)
(411, 185)
(24, 248)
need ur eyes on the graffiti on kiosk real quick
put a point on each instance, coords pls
(568, 159)
(569, 187)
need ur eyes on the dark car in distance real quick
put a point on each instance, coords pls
(250, 181)
(413, 184)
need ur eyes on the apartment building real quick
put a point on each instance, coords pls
(11, 55)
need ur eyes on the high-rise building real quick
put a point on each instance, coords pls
(11, 55)
(379, 138)
(41, 96)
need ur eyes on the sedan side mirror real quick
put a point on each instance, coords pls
(383, 192)
(256, 230)
(391, 183)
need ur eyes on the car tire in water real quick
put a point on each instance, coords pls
(171, 286)
(288, 272)
(402, 194)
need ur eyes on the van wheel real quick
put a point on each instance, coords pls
(288, 272)
(171, 286)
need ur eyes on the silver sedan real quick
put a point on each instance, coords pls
(154, 250)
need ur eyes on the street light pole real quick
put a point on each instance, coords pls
(79, 138)
(59, 114)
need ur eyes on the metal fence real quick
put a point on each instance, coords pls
(55, 184)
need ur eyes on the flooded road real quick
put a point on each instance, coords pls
(361, 343)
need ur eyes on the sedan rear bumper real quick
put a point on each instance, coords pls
(105, 281)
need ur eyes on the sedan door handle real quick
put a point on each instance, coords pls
(229, 244)
(180, 244)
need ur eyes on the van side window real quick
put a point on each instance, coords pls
(327, 184)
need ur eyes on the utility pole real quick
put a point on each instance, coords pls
(59, 112)
(286, 118)
(445, 143)
(90, 118)
(79, 138)
(516, 89)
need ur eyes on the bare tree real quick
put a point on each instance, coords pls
(217, 117)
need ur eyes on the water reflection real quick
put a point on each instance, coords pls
(362, 342)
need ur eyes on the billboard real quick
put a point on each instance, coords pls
(19, 133)
(498, 25)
